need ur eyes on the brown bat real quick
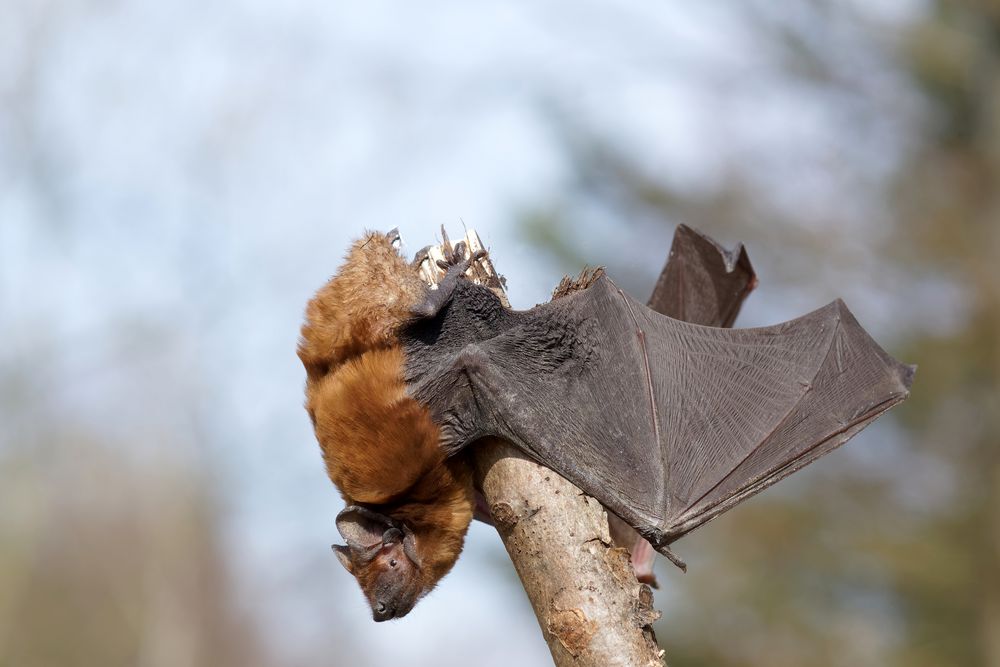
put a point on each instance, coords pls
(408, 504)
(667, 423)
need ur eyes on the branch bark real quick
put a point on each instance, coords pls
(591, 609)
(589, 605)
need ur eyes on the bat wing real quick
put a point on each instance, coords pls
(703, 282)
(667, 423)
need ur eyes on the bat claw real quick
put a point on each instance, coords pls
(421, 255)
(459, 256)
(445, 241)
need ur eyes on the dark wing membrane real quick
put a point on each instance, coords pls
(703, 282)
(720, 393)
(855, 382)
(743, 408)
(668, 423)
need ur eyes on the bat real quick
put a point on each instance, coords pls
(667, 423)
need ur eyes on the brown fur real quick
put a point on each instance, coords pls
(361, 308)
(380, 446)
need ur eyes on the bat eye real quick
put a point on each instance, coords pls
(392, 562)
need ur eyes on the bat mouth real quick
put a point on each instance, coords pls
(384, 611)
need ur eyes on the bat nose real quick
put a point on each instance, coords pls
(381, 611)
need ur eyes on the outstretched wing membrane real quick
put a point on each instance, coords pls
(668, 423)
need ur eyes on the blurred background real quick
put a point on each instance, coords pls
(177, 178)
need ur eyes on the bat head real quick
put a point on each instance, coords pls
(381, 554)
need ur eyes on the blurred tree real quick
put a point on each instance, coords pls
(886, 557)
(948, 203)
(111, 562)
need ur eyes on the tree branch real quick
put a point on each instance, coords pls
(591, 608)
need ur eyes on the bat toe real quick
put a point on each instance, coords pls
(421, 255)
(394, 238)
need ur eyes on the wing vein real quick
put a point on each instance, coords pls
(777, 425)
(686, 523)
(649, 375)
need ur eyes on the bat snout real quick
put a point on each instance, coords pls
(381, 611)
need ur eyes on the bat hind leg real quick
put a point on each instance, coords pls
(661, 543)
(421, 256)
(395, 240)
(671, 556)
(456, 266)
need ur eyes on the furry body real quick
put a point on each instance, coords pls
(380, 446)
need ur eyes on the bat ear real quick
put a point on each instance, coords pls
(362, 528)
(344, 556)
